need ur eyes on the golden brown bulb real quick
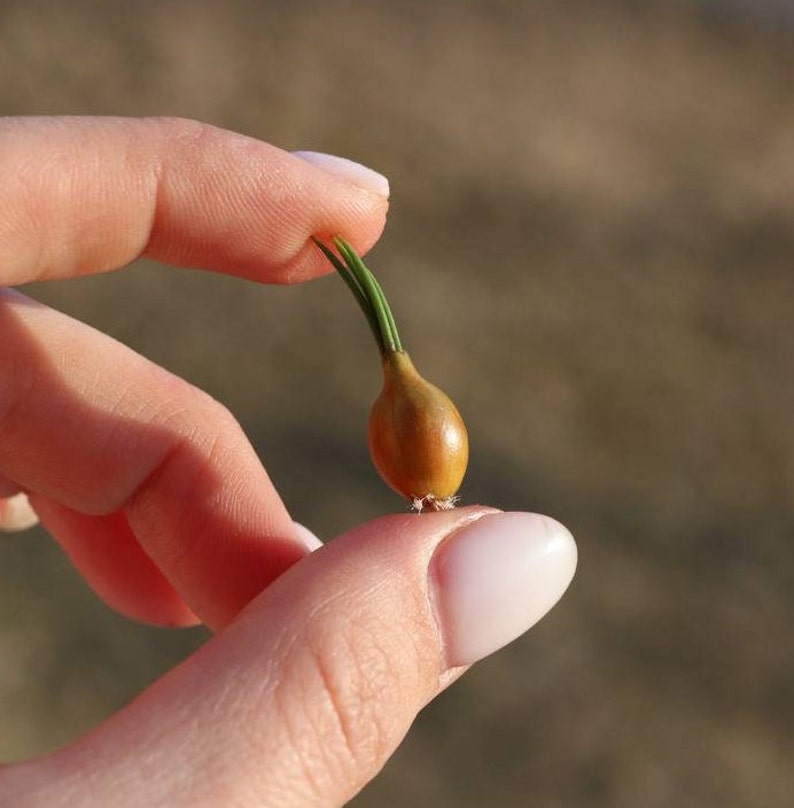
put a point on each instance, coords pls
(417, 438)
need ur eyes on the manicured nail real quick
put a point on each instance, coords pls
(16, 513)
(307, 538)
(348, 170)
(495, 578)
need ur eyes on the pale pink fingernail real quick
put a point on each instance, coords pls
(307, 538)
(497, 577)
(16, 513)
(345, 169)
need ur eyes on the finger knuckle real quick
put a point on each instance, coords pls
(365, 684)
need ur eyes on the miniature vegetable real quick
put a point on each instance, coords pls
(417, 438)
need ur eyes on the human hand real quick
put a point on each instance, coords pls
(321, 659)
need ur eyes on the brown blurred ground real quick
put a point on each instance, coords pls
(590, 247)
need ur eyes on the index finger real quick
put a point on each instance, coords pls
(86, 195)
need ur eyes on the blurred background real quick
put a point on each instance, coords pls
(590, 248)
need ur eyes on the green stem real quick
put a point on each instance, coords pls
(359, 293)
(368, 292)
(389, 316)
(389, 341)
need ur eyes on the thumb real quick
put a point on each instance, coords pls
(302, 699)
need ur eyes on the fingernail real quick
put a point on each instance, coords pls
(307, 538)
(16, 513)
(497, 577)
(348, 170)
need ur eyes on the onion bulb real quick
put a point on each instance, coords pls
(417, 438)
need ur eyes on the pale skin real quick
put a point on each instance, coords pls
(156, 495)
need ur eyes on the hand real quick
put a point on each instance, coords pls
(321, 659)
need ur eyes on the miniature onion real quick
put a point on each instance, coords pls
(417, 438)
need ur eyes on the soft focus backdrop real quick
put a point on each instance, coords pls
(590, 247)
